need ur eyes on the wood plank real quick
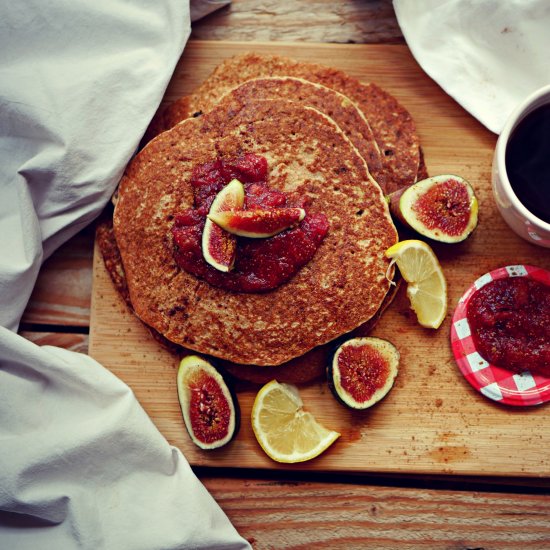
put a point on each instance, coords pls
(63, 289)
(346, 21)
(279, 514)
(70, 341)
(432, 421)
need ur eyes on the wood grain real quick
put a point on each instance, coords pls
(279, 514)
(432, 421)
(70, 341)
(348, 21)
(63, 290)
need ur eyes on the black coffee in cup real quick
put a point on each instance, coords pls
(528, 162)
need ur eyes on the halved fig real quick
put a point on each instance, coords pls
(362, 371)
(218, 246)
(442, 208)
(210, 411)
(258, 223)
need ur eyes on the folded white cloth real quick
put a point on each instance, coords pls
(81, 464)
(202, 8)
(487, 54)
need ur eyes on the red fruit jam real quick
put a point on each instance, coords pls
(260, 264)
(363, 371)
(510, 324)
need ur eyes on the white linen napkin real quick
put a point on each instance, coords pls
(488, 55)
(81, 464)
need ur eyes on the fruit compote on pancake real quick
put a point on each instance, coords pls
(260, 264)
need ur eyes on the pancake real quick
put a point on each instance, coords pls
(341, 288)
(337, 106)
(165, 118)
(299, 370)
(393, 127)
(306, 368)
(105, 239)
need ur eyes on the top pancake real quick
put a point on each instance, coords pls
(392, 126)
(308, 155)
(337, 106)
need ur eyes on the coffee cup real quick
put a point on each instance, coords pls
(521, 169)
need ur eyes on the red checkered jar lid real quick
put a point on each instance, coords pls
(496, 383)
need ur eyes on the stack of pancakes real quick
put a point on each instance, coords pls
(341, 144)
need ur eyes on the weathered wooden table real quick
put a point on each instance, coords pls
(279, 508)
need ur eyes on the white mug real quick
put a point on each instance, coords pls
(516, 215)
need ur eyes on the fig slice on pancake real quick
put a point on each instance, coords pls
(257, 224)
(219, 247)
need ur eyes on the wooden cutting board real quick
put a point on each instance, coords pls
(432, 421)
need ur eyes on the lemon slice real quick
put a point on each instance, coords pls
(283, 429)
(427, 287)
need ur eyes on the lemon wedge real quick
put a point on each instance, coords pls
(427, 287)
(283, 429)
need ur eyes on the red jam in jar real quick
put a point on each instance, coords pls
(510, 324)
